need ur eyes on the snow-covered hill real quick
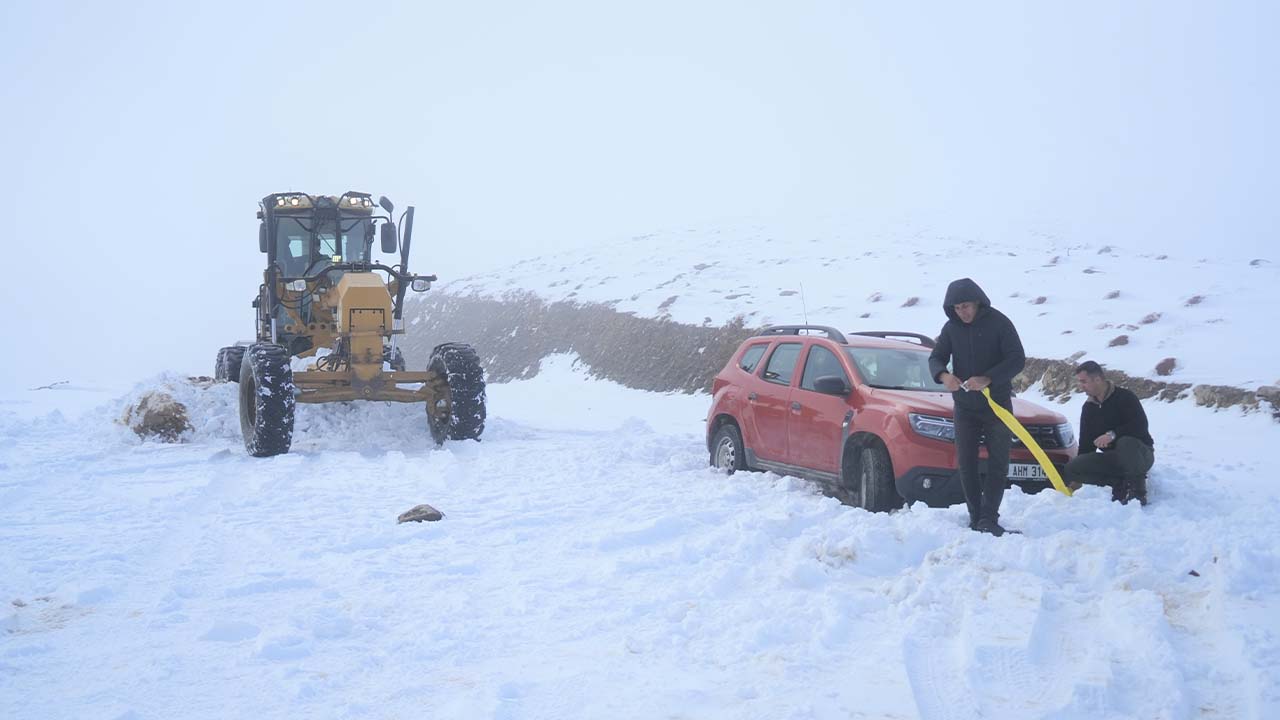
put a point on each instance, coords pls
(1066, 295)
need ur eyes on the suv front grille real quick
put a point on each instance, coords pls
(1045, 435)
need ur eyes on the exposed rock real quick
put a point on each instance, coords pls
(157, 415)
(1194, 300)
(1113, 295)
(875, 297)
(660, 355)
(911, 302)
(1118, 341)
(1270, 393)
(1058, 380)
(1150, 318)
(1221, 396)
(1039, 300)
(1166, 366)
(420, 513)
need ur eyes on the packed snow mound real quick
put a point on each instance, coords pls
(1196, 318)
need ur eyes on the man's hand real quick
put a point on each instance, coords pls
(1103, 440)
(949, 381)
(977, 383)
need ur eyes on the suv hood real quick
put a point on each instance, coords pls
(939, 403)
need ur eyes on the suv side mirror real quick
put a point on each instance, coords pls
(831, 385)
(262, 237)
(388, 237)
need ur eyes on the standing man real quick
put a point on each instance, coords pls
(984, 351)
(1116, 448)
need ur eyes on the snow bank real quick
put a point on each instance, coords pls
(591, 565)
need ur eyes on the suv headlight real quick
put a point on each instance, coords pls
(1066, 435)
(939, 428)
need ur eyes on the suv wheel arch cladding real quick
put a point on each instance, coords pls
(722, 419)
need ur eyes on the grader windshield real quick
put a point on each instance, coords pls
(305, 245)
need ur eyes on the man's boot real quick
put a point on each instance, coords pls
(1120, 490)
(990, 527)
(1137, 489)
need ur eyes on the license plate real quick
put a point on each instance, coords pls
(1023, 471)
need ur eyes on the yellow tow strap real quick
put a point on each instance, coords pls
(1016, 428)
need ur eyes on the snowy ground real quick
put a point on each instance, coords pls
(590, 565)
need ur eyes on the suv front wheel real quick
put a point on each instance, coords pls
(867, 475)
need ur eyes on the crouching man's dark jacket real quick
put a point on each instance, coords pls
(988, 346)
(1120, 411)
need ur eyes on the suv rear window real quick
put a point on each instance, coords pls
(895, 369)
(751, 358)
(782, 363)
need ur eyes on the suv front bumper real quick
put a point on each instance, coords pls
(940, 487)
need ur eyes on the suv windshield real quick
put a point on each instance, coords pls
(305, 245)
(894, 369)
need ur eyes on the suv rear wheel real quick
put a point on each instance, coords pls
(727, 452)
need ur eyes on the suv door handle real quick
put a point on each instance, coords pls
(795, 406)
(751, 397)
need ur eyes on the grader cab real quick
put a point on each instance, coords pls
(326, 296)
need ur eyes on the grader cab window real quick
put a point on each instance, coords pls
(304, 247)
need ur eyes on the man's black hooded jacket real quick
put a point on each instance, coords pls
(988, 346)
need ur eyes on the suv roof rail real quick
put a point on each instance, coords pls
(831, 332)
(924, 340)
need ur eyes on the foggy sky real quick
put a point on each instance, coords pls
(137, 140)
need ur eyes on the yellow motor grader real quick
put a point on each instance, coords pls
(324, 295)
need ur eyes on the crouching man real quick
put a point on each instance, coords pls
(1116, 449)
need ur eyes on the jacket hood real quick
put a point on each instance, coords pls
(964, 290)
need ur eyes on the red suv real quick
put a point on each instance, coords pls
(859, 414)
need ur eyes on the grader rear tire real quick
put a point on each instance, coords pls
(227, 366)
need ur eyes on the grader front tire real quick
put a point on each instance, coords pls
(461, 414)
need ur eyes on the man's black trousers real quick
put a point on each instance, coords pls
(1123, 469)
(982, 493)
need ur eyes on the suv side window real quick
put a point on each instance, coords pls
(821, 362)
(782, 363)
(751, 358)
